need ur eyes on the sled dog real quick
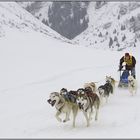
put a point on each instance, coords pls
(69, 95)
(87, 101)
(132, 85)
(112, 81)
(62, 106)
(105, 90)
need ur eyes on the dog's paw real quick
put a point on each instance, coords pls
(66, 120)
(87, 125)
(73, 126)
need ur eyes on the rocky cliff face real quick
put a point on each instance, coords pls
(67, 18)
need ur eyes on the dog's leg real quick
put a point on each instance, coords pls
(106, 97)
(57, 116)
(131, 91)
(135, 91)
(75, 111)
(111, 89)
(67, 117)
(90, 114)
(101, 99)
(96, 115)
(86, 116)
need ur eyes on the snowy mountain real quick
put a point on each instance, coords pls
(67, 18)
(114, 25)
(12, 16)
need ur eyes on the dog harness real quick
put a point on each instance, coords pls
(60, 105)
(132, 83)
(91, 98)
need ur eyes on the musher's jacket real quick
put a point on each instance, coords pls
(129, 64)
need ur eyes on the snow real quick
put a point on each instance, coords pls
(33, 65)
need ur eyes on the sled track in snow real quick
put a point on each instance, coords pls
(56, 77)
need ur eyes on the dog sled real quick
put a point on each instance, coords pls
(123, 78)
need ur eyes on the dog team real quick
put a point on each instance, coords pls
(87, 99)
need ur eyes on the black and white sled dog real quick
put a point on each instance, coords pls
(132, 85)
(105, 90)
(69, 96)
(87, 101)
(62, 106)
(112, 81)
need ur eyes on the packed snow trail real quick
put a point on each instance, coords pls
(60, 76)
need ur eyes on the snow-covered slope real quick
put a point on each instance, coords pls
(33, 66)
(115, 25)
(14, 17)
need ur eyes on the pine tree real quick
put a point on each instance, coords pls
(132, 19)
(118, 45)
(118, 16)
(115, 38)
(100, 35)
(123, 27)
(123, 38)
(110, 42)
(114, 32)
